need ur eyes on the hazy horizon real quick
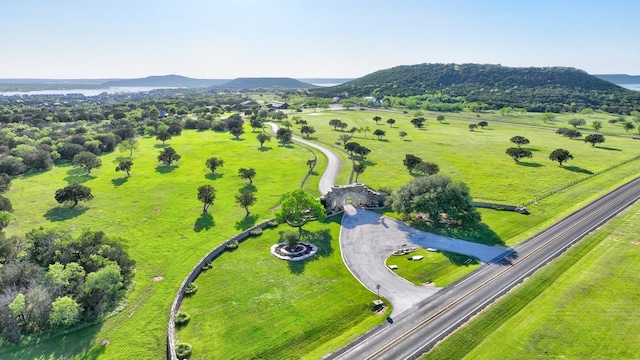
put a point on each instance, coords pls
(225, 39)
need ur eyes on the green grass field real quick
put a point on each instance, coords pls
(254, 305)
(157, 211)
(476, 157)
(581, 306)
(436, 268)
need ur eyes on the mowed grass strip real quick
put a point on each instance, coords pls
(582, 305)
(158, 213)
(253, 305)
(436, 268)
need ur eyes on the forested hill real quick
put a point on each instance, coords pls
(264, 83)
(533, 88)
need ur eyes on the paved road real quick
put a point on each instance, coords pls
(414, 332)
(334, 163)
(366, 242)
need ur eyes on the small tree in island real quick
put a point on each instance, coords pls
(73, 194)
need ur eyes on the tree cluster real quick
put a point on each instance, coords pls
(437, 199)
(49, 279)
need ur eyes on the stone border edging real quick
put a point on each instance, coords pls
(193, 274)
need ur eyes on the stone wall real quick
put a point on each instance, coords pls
(192, 276)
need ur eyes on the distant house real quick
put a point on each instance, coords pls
(335, 100)
(247, 104)
(278, 105)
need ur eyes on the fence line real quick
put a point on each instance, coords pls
(567, 185)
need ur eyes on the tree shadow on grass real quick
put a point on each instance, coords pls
(118, 159)
(530, 149)
(246, 222)
(321, 239)
(249, 187)
(165, 169)
(264, 148)
(75, 344)
(62, 213)
(119, 181)
(578, 170)
(607, 148)
(204, 222)
(237, 139)
(160, 146)
(78, 176)
(529, 164)
(214, 176)
(383, 140)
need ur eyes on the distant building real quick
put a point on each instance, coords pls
(278, 105)
(335, 100)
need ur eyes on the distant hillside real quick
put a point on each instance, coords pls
(264, 83)
(166, 80)
(620, 78)
(535, 89)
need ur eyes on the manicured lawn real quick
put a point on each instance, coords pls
(436, 267)
(254, 305)
(582, 305)
(157, 212)
(475, 157)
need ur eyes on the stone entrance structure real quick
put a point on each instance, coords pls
(357, 195)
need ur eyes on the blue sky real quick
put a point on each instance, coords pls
(309, 38)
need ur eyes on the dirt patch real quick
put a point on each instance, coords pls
(635, 243)
(106, 342)
(158, 278)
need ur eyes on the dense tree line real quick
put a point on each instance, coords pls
(37, 132)
(451, 87)
(48, 279)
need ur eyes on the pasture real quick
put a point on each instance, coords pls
(158, 213)
(582, 305)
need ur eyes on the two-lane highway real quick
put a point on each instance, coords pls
(418, 329)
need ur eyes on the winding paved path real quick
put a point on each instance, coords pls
(334, 163)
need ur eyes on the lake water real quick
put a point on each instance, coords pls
(87, 92)
(635, 87)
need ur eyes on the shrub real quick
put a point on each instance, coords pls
(207, 266)
(182, 318)
(232, 245)
(255, 232)
(272, 223)
(183, 350)
(190, 289)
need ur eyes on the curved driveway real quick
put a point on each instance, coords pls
(366, 242)
(334, 163)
